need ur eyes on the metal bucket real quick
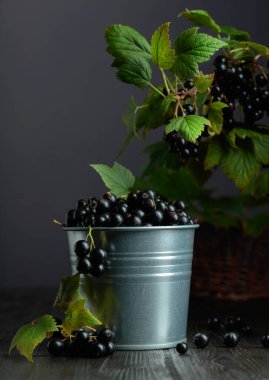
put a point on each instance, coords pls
(144, 294)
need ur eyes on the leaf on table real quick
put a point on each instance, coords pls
(68, 292)
(200, 17)
(235, 34)
(241, 166)
(135, 71)
(162, 54)
(126, 43)
(215, 116)
(193, 48)
(78, 316)
(190, 126)
(31, 334)
(118, 179)
(203, 82)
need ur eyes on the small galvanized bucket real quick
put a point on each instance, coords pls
(144, 294)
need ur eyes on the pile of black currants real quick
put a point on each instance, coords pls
(90, 260)
(83, 343)
(139, 208)
(243, 85)
(232, 329)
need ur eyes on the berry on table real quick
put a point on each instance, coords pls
(109, 348)
(182, 348)
(265, 341)
(105, 336)
(55, 347)
(214, 323)
(201, 340)
(231, 339)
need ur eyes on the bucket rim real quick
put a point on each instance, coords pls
(126, 228)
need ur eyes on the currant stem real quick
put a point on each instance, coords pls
(156, 89)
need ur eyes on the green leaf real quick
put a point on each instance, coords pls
(126, 43)
(31, 334)
(200, 17)
(257, 224)
(235, 34)
(240, 165)
(118, 179)
(259, 186)
(68, 292)
(159, 156)
(215, 116)
(260, 49)
(190, 126)
(203, 82)
(261, 148)
(78, 316)
(242, 133)
(214, 153)
(192, 48)
(129, 119)
(135, 71)
(162, 54)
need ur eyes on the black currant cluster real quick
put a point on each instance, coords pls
(83, 343)
(233, 328)
(240, 84)
(184, 149)
(90, 261)
(140, 208)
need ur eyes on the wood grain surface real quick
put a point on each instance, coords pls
(247, 361)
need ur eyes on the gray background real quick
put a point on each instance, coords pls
(61, 109)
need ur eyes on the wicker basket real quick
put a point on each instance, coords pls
(230, 266)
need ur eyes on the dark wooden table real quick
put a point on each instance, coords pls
(247, 361)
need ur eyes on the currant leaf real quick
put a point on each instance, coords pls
(135, 71)
(203, 82)
(68, 292)
(162, 54)
(200, 17)
(214, 153)
(32, 334)
(215, 115)
(191, 126)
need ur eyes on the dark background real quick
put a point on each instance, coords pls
(61, 109)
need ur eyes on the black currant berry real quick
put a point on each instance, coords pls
(214, 323)
(138, 212)
(132, 200)
(133, 220)
(171, 218)
(116, 220)
(151, 193)
(247, 330)
(180, 205)
(216, 91)
(161, 205)
(82, 248)
(230, 324)
(71, 218)
(220, 59)
(265, 341)
(82, 203)
(189, 84)
(189, 109)
(261, 81)
(97, 256)
(231, 339)
(110, 197)
(55, 347)
(105, 336)
(97, 271)
(201, 340)
(81, 336)
(71, 348)
(82, 215)
(102, 206)
(109, 348)
(156, 217)
(84, 265)
(182, 348)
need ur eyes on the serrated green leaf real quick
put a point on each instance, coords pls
(242, 133)
(260, 49)
(214, 153)
(261, 148)
(235, 34)
(191, 126)
(118, 179)
(135, 71)
(215, 115)
(240, 165)
(68, 292)
(78, 316)
(192, 48)
(126, 43)
(162, 54)
(159, 157)
(200, 17)
(203, 82)
(31, 334)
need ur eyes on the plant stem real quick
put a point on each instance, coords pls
(156, 89)
(165, 81)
